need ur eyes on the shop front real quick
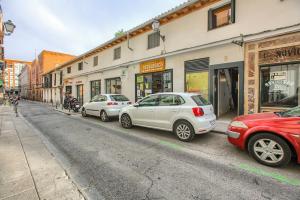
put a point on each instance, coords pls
(273, 76)
(153, 78)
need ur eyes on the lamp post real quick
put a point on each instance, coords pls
(155, 28)
(9, 27)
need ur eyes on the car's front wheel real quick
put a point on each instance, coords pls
(269, 149)
(184, 131)
(126, 121)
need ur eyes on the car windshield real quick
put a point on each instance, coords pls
(118, 98)
(200, 101)
(294, 112)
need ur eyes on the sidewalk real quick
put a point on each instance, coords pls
(27, 169)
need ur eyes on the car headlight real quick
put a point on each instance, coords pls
(238, 124)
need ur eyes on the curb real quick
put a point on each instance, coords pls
(66, 113)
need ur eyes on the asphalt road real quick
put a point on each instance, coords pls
(108, 162)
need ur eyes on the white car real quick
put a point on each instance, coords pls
(186, 114)
(105, 106)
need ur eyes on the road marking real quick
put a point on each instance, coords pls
(277, 176)
(170, 144)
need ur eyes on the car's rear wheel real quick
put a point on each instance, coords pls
(103, 116)
(269, 149)
(184, 131)
(83, 112)
(126, 121)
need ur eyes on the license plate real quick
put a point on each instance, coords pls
(77, 106)
(213, 122)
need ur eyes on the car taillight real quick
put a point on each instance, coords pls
(129, 102)
(198, 112)
(112, 103)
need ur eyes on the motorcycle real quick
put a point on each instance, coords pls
(75, 105)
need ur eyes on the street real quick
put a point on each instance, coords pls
(108, 162)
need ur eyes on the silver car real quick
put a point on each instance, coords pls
(186, 114)
(105, 106)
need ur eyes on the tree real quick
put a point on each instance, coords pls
(119, 33)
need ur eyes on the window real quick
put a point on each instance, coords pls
(149, 101)
(102, 98)
(69, 89)
(280, 85)
(95, 88)
(200, 101)
(69, 70)
(117, 53)
(118, 98)
(54, 78)
(196, 76)
(153, 40)
(221, 16)
(80, 66)
(113, 86)
(95, 61)
(170, 100)
(95, 99)
(61, 77)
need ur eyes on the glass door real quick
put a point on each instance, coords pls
(80, 94)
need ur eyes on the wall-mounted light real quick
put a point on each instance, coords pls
(155, 28)
(239, 42)
(9, 27)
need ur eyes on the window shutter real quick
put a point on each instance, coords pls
(210, 19)
(196, 65)
(232, 11)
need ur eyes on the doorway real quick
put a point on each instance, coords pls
(227, 92)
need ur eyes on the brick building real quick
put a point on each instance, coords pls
(45, 62)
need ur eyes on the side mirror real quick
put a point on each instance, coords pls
(136, 104)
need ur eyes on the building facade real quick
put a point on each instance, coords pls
(24, 82)
(43, 64)
(11, 74)
(201, 46)
(1, 53)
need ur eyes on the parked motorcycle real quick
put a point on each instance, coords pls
(75, 105)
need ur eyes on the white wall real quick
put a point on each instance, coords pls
(253, 16)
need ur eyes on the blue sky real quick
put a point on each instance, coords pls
(72, 26)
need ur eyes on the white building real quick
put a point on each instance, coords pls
(24, 81)
(199, 47)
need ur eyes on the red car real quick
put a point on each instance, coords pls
(270, 138)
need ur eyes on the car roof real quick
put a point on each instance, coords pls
(178, 93)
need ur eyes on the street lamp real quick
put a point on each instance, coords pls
(9, 27)
(155, 28)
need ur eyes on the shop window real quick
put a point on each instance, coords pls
(280, 85)
(221, 16)
(117, 53)
(152, 83)
(153, 40)
(80, 66)
(95, 61)
(113, 86)
(95, 88)
(196, 76)
(69, 70)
